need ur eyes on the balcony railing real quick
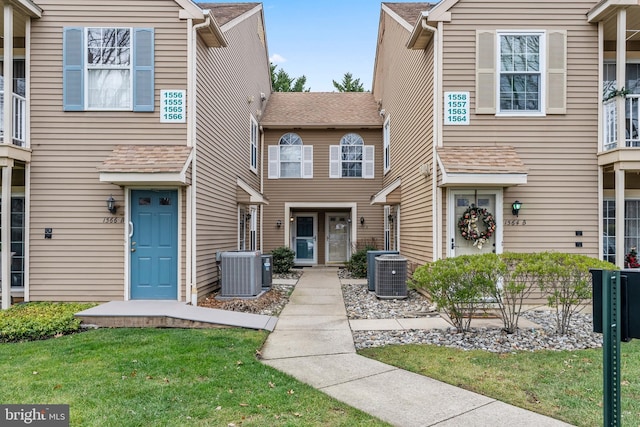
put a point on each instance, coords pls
(19, 118)
(632, 122)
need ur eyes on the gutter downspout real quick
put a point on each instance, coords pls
(261, 130)
(192, 291)
(436, 192)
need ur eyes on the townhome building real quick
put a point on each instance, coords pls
(130, 146)
(323, 155)
(142, 139)
(505, 123)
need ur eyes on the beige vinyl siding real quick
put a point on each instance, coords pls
(561, 195)
(230, 81)
(85, 258)
(404, 83)
(322, 189)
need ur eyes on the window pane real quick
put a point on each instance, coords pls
(109, 89)
(290, 153)
(290, 170)
(520, 73)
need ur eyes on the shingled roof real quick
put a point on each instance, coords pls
(147, 159)
(483, 159)
(225, 12)
(410, 12)
(321, 110)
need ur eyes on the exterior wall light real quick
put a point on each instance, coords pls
(290, 219)
(279, 223)
(361, 220)
(515, 207)
(390, 218)
(111, 205)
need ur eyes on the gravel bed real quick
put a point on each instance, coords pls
(363, 304)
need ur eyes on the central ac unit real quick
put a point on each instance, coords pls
(391, 277)
(241, 274)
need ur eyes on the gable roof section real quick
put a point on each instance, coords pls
(481, 165)
(165, 164)
(227, 12)
(413, 17)
(409, 12)
(321, 110)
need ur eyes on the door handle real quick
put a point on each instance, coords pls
(133, 249)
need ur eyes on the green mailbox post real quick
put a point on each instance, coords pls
(616, 299)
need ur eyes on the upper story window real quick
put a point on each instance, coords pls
(386, 138)
(290, 158)
(521, 73)
(254, 145)
(351, 159)
(108, 68)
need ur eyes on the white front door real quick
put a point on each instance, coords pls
(305, 230)
(338, 237)
(488, 204)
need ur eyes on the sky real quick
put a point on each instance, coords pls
(323, 39)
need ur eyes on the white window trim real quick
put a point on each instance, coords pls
(88, 67)
(367, 162)
(543, 73)
(253, 144)
(306, 162)
(386, 135)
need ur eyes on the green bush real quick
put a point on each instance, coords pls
(519, 281)
(282, 259)
(357, 264)
(566, 281)
(39, 320)
(461, 285)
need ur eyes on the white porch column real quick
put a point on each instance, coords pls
(621, 71)
(7, 115)
(5, 235)
(620, 231)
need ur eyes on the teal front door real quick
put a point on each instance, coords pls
(154, 244)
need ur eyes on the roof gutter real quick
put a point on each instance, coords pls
(422, 33)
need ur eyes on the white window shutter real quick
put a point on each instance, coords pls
(334, 161)
(307, 161)
(485, 72)
(274, 161)
(557, 72)
(368, 161)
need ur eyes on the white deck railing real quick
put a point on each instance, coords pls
(632, 123)
(19, 118)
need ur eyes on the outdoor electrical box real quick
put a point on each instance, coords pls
(629, 303)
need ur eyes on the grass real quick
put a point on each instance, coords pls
(165, 377)
(564, 385)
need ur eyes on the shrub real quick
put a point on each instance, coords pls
(282, 259)
(461, 285)
(39, 320)
(566, 281)
(357, 264)
(518, 282)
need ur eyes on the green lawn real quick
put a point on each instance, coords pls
(165, 377)
(564, 385)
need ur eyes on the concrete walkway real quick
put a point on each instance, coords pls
(312, 342)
